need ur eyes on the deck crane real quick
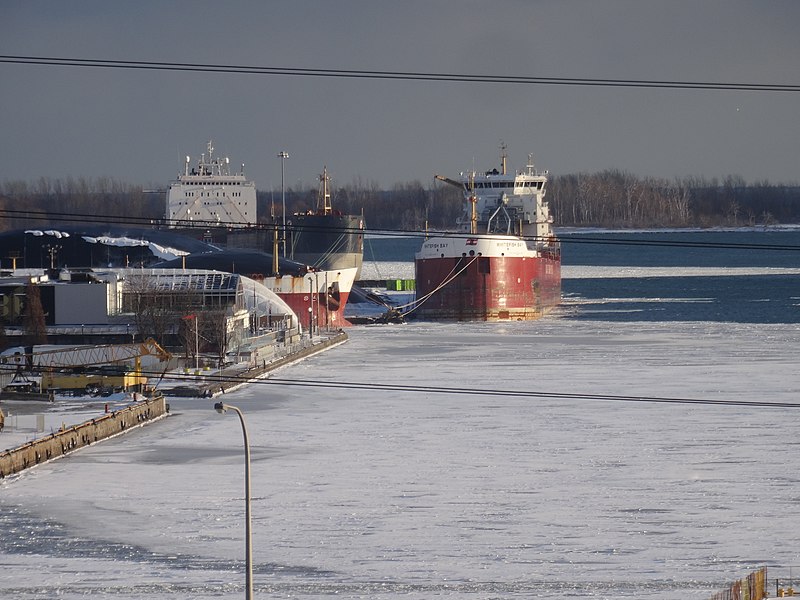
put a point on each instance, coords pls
(469, 194)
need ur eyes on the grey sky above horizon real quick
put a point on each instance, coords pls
(137, 126)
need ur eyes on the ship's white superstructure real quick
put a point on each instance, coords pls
(208, 193)
(505, 204)
(505, 264)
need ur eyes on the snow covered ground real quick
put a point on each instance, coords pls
(384, 492)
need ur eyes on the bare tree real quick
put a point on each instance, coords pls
(153, 308)
(33, 317)
(214, 331)
(189, 334)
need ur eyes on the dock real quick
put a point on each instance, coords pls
(110, 419)
(206, 383)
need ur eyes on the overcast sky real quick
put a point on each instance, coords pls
(137, 126)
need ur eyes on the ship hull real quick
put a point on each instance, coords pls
(324, 292)
(210, 203)
(324, 242)
(486, 279)
(317, 297)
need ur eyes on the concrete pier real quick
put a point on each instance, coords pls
(238, 374)
(69, 439)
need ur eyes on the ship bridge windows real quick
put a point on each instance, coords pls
(534, 185)
(494, 184)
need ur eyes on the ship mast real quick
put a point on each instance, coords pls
(468, 190)
(325, 195)
(473, 200)
(275, 263)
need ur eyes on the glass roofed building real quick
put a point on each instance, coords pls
(230, 309)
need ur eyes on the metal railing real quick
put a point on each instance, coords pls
(752, 587)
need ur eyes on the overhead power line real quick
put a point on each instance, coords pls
(426, 389)
(233, 380)
(95, 219)
(394, 75)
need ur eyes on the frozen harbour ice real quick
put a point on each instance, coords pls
(369, 493)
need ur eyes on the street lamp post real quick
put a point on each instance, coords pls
(310, 308)
(221, 408)
(196, 344)
(283, 156)
(52, 251)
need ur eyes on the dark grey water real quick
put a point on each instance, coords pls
(736, 298)
(744, 291)
(723, 276)
(696, 248)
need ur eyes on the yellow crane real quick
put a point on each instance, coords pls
(114, 367)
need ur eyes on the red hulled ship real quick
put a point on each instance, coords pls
(317, 297)
(504, 263)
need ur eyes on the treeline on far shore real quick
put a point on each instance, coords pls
(613, 199)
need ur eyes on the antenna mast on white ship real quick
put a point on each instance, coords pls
(473, 200)
(325, 195)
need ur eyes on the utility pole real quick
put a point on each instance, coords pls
(283, 156)
(222, 408)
